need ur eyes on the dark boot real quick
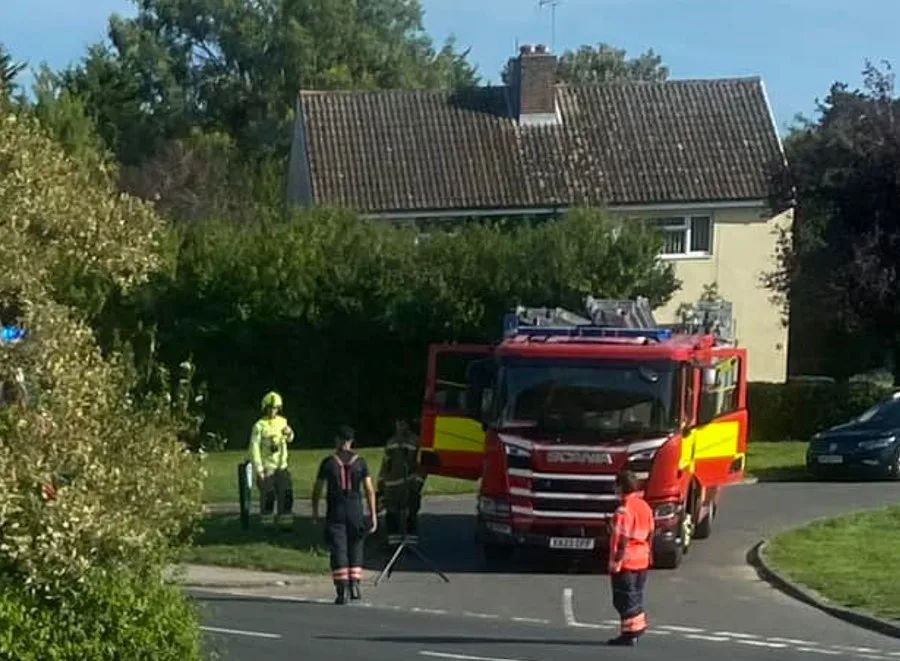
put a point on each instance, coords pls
(623, 640)
(355, 594)
(341, 589)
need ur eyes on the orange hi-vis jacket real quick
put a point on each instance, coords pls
(631, 535)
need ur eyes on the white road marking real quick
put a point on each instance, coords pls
(239, 632)
(483, 616)
(731, 634)
(677, 629)
(761, 643)
(429, 611)
(568, 608)
(530, 620)
(464, 657)
(818, 650)
(714, 639)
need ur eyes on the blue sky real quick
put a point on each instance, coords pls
(799, 47)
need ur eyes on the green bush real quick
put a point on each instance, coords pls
(784, 411)
(114, 618)
(337, 313)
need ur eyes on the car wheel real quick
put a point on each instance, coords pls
(894, 470)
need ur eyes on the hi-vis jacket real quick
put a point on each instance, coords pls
(269, 441)
(631, 535)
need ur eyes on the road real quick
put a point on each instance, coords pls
(249, 629)
(713, 600)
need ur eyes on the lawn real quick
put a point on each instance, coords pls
(777, 462)
(221, 484)
(223, 542)
(848, 559)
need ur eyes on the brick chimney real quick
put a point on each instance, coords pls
(533, 86)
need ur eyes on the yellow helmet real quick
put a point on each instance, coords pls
(272, 400)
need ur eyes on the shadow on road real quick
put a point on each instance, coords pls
(448, 540)
(463, 640)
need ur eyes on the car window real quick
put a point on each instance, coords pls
(886, 411)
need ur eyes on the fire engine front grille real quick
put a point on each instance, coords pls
(559, 485)
(575, 506)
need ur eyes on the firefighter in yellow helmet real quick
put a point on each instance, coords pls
(269, 441)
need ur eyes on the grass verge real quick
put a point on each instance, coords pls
(221, 483)
(299, 550)
(847, 559)
(781, 461)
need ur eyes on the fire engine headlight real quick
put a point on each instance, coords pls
(877, 443)
(492, 507)
(665, 510)
(516, 451)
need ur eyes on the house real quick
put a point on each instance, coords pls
(692, 155)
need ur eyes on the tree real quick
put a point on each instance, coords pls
(603, 63)
(9, 71)
(237, 67)
(838, 268)
(96, 488)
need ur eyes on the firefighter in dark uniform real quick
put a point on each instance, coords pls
(346, 475)
(400, 485)
(630, 542)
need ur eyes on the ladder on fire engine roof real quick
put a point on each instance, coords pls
(621, 318)
(608, 318)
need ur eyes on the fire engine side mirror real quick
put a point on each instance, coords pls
(710, 376)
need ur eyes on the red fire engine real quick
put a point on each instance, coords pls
(548, 416)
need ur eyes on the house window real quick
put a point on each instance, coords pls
(685, 235)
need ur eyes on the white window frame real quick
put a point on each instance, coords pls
(685, 226)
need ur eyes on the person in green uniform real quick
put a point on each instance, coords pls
(269, 440)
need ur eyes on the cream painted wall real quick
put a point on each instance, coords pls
(744, 242)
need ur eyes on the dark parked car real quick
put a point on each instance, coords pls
(867, 445)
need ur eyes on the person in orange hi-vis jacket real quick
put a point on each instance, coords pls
(630, 542)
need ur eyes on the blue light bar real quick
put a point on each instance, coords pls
(512, 327)
(11, 334)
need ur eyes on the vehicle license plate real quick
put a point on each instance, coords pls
(586, 543)
(831, 459)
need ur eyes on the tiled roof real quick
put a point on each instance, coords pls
(617, 144)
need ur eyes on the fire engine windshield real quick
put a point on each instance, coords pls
(605, 399)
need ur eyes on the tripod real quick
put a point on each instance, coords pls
(406, 545)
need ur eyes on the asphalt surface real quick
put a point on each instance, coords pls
(324, 632)
(714, 603)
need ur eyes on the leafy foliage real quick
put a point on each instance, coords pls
(237, 67)
(838, 268)
(796, 411)
(337, 312)
(9, 71)
(114, 617)
(603, 64)
(91, 481)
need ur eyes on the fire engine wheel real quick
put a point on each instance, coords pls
(497, 556)
(704, 528)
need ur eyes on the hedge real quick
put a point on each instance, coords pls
(111, 617)
(796, 411)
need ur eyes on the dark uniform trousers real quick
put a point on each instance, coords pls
(628, 600)
(345, 545)
(276, 489)
(406, 501)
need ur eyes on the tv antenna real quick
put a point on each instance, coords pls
(553, 4)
